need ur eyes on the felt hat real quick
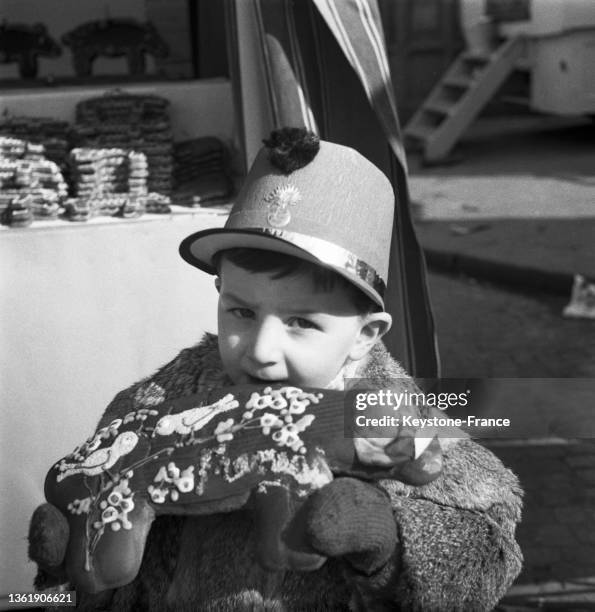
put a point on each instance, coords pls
(312, 199)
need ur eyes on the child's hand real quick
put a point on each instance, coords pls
(348, 518)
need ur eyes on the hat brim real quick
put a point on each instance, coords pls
(199, 249)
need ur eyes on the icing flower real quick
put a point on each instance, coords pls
(268, 420)
(258, 402)
(173, 471)
(278, 402)
(185, 483)
(223, 431)
(286, 436)
(114, 498)
(109, 514)
(80, 506)
(157, 494)
(298, 406)
(127, 505)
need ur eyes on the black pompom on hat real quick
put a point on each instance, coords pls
(292, 148)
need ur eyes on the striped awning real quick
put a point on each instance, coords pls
(357, 28)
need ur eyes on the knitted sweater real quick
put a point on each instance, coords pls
(456, 547)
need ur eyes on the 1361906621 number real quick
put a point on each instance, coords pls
(63, 598)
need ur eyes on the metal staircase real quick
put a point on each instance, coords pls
(466, 87)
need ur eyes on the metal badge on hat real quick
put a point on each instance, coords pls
(280, 199)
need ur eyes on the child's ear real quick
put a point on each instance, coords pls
(218, 284)
(374, 326)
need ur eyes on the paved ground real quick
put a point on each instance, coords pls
(544, 254)
(519, 207)
(527, 167)
(491, 331)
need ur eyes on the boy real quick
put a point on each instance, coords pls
(300, 271)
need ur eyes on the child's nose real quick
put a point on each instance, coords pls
(265, 343)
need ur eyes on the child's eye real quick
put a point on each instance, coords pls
(301, 323)
(242, 313)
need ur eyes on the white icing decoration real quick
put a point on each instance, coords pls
(193, 419)
(316, 474)
(109, 514)
(170, 481)
(114, 498)
(288, 435)
(185, 483)
(286, 401)
(157, 495)
(114, 512)
(223, 431)
(265, 484)
(80, 506)
(268, 421)
(309, 473)
(139, 415)
(100, 460)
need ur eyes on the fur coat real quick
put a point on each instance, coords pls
(456, 536)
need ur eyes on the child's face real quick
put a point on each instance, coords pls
(285, 330)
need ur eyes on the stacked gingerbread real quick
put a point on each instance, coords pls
(201, 172)
(31, 187)
(131, 122)
(107, 182)
(53, 134)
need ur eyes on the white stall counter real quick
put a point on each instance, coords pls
(87, 309)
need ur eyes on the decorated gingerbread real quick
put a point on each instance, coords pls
(269, 447)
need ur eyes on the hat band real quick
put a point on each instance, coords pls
(331, 255)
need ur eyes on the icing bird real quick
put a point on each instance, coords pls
(194, 419)
(101, 459)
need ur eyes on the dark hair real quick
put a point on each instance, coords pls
(282, 265)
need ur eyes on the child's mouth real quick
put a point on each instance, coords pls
(264, 381)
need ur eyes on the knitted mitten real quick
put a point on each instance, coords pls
(48, 539)
(348, 518)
